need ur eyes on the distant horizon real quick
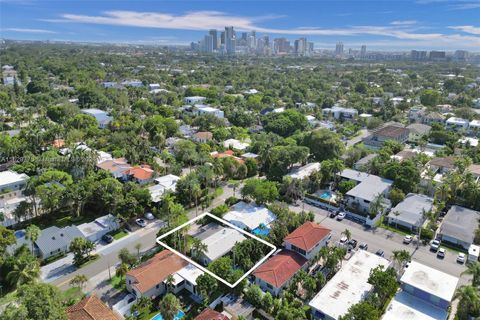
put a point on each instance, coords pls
(187, 46)
(381, 25)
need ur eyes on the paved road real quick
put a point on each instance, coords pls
(386, 240)
(358, 138)
(97, 271)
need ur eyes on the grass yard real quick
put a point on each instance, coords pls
(119, 234)
(73, 295)
(118, 283)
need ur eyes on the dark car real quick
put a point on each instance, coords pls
(363, 246)
(333, 214)
(352, 243)
(380, 253)
(107, 238)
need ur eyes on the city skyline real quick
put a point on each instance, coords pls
(427, 25)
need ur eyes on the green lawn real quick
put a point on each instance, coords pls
(384, 225)
(73, 295)
(119, 234)
(118, 283)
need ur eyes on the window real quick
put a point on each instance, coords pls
(269, 286)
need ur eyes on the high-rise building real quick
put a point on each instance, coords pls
(418, 55)
(339, 49)
(437, 55)
(363, 52)
(300, 47)
(230, 40)
(310, 48)
(214, 34)
(222, 38)
(281, 46)
(460, 55)
(208, 43)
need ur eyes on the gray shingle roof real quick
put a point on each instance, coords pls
(54, 238)
(410, 209)
(460, 223)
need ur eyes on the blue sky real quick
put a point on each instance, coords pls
(390, 25)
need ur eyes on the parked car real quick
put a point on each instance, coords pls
(441, 253)
(333, 214)
(380, 253)
(107, 238)
(461, 258)
(407, 239)
(142, 223)
(149, 216)
(363, 246)
(343, 241)
(434, 245)
(341, 216)
(352, 243)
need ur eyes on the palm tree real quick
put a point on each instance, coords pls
(169, 306)
(32, 233)
(469, 301)
(377, 205)
(473, 269)
(137, 247)
(347, 233)
(121, 270)
(170, 281)
(24, 271)
(79, 281)
(199, 248)
(401, 257)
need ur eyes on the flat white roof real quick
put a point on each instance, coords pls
(236, 144)
(432, 281)
(190, 273)
(249, 215)
(472, 141)
(305, 171)
(348, 286)
(10, 177)
(221, 242)
(406, 306)
(455, 120)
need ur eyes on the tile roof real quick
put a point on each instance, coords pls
(91, 308)
(203, 135)
(446, 162)
(143, 172)
(307, 235)
(114, 165)
(210, 314)
(155, 270)
(280, 268)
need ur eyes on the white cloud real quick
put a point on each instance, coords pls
(403, 22)
(204, 20)
(26, 30)
(467, 29)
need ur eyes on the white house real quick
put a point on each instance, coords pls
(194, 99)
(308, 239)
(456, 123)
(235, 144)
(96, 229)
(348, 286)
(340, 112)
(304, 171)
(246, 215)
(162, 185)
(200, 109)
(101, 116)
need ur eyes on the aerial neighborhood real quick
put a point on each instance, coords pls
(145, 182)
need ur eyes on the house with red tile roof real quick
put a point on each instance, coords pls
(210, 314)
(142, 174)
(149, 279)
(307, 239)
(277, 272)
(227, 154)
(91, 308)
(117, 167)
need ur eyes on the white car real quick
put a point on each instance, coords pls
(343, 241)
(142, 223)
(149, 216)
(461, 257)
(434, 245)
(341, 216)
(408, 239)
(441, 253)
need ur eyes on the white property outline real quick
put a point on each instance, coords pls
(163, 244)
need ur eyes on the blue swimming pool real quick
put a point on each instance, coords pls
(19, 234)
(179, 316)
(261, 231)
(326, 195)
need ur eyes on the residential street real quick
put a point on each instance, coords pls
(97, 271)
(386, 240)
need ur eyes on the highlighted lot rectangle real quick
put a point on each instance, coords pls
(224, 222)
